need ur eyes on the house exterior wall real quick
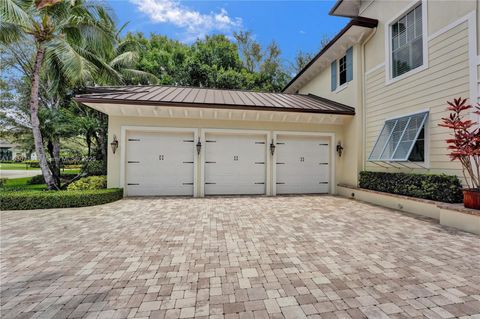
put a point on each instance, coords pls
(348, 94)
(451, 70)
(116, 123)
(447, 75)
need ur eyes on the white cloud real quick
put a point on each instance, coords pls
(194, 23)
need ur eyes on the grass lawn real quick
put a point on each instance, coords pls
(16, 166)
(17, 184)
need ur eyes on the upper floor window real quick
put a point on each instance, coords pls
(407, 43)
(342, 70)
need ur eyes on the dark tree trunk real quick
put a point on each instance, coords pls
(37, 135)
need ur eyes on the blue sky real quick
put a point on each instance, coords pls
(295, 25)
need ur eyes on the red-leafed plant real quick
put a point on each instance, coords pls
(464, 145)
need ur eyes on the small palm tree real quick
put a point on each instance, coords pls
(64, 34)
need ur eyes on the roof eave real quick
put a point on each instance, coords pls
(357, 21)
(347, 111)
(343, 8)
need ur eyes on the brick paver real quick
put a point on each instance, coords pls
(244, 257)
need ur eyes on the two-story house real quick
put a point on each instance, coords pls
(371, 99)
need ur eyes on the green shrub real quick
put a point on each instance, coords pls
(94, 168)
(57, 199)
(88, 183)
(2, 181)
(443, 188)
(36, 180)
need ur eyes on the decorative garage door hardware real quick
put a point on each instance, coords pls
(187, 183)
(323, 183)
(280, 163)
(302, 159)
(189, 141)
(209, 162)
(134, 140)
(323, 144)
(209, 183)
(259, 183)
(323, 163)
(132, 162)
(259, 142)
(280, 183)
(280, 143)
(259, 162)
(235, 157)
(210, 141)
(187, 162)
(161, 157)
(132, 184)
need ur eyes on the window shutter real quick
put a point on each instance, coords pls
(333, 78)
(349, 64)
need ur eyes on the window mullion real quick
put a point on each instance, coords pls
(388, 139)
(401, 137)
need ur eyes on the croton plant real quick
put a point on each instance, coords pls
(464, 145)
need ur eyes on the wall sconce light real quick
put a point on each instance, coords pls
(339, 149)
(114, 144)
(199, 146)
(272, 148)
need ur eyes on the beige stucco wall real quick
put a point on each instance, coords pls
(342, 174)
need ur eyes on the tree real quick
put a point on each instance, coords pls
(63, 32)
(251, 50)
(301, 60)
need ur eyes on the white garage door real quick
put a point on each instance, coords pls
(302, 165)
(235, 164)
(159, 164)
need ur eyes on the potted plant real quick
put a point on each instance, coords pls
(464, 146)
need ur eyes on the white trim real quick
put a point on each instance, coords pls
(473, 60)
(478, 59)
(388, 63)
(341, 88)
(123, 135)
(375, 68)
(333, 154)
(267, 134)
(450, 26)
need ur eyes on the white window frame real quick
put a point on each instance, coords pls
(389, 79)
(426, 141)
(341, 87)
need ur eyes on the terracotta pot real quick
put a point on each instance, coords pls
(471, 198)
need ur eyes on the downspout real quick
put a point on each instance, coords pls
(363, 99)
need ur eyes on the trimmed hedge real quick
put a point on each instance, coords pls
(88, 183)
(22, 200)
(442, 188)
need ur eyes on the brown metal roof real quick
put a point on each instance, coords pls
(213, 98)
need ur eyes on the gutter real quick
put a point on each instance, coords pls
(356, 21)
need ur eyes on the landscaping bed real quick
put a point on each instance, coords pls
(22, 194)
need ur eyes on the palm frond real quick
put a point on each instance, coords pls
(125, 59)
(11, 12)
(140, 76)
(10, 33)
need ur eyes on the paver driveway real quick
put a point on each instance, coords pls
(244, 257)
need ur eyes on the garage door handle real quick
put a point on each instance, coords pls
(132, 184)
(188, 162)
(278, 183)
(323, 183)
(187, 183)
(206, 162)
(259, 162)
(280, 163)
(207, 183)
(133, 162)
(260, 183)
(323, 163)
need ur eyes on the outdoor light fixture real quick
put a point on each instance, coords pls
(199, 146)
(339, 149)
(114, 144)
(272, 148)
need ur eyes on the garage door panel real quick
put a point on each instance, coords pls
(159, 163)
(302, 165)
(235, 164)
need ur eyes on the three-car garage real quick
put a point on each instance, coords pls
(202, 162)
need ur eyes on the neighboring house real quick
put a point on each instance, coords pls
(377, 90)
(10, 151)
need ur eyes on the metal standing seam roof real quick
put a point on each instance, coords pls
(212, 98)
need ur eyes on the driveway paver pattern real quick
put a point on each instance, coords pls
(240, 257)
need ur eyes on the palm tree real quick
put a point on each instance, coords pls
(64, 34)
